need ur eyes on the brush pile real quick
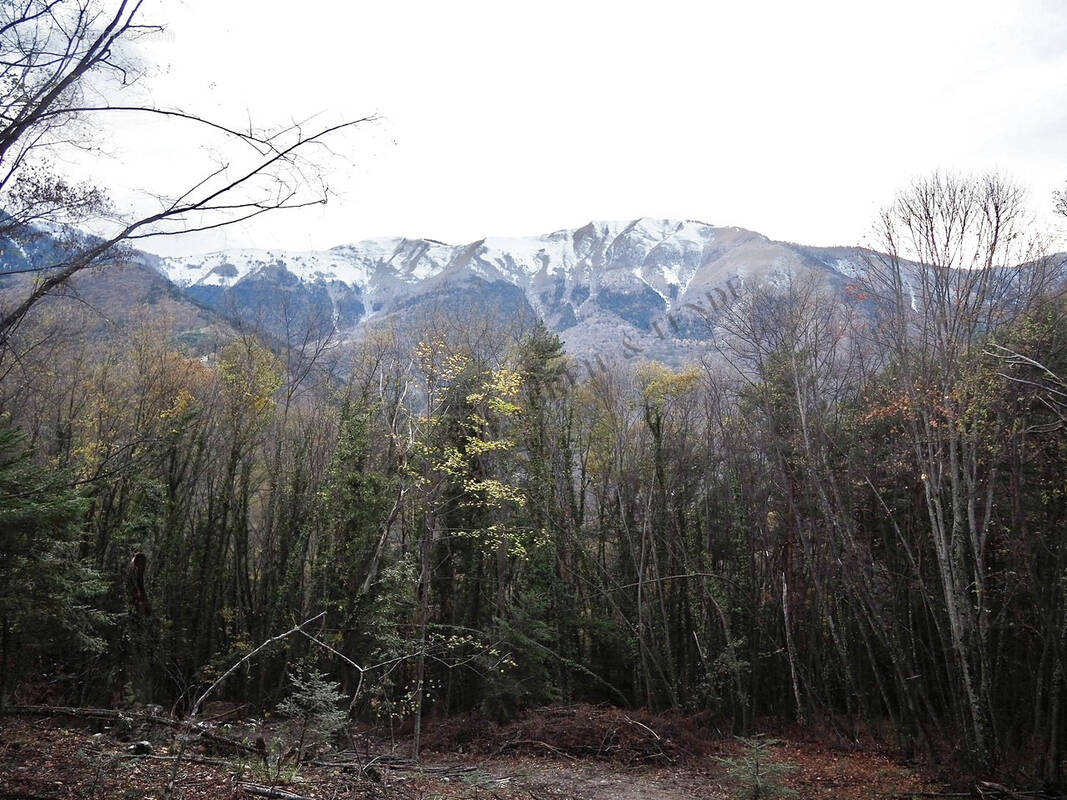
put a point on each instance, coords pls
(576, 731)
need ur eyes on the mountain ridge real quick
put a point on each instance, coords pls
(654, 287)
(640, 276)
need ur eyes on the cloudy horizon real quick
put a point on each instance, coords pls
(798, 123)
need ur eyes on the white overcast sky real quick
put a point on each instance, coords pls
(798, 120)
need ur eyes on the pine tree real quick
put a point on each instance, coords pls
(45, 589)
(755, 775)
(314, 709)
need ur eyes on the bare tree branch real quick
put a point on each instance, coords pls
(48, 51)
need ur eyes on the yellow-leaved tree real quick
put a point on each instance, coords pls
(457, 444)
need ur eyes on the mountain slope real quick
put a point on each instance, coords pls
(642, 285)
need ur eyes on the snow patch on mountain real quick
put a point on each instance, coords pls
(231, 266)
(639, 274)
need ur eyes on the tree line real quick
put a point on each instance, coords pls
(849, 513)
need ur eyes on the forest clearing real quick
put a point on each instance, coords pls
(61, 758)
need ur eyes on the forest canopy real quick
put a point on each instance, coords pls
(849, 512)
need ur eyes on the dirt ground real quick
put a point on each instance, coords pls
(615, 756)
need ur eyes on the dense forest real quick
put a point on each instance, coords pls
(847, 514)
(850, 513)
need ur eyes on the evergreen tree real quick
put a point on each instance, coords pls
(45, 588)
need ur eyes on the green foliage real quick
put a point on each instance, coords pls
(46, 590)
(354, 501)
(518, 669)
(755, 774)
(384, 644)
(313, 709)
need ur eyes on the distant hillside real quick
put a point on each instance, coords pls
(641, 286)
(110, 296)
(641, 289)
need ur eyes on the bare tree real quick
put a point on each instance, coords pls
(62, 64)
(959, 263)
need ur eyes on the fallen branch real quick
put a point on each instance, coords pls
(84, 713)
(538, 742)
(200, 700)
(215, 762)
(642, 725)
(110, 714)
(267, 791)
(252, 654)
(996, 790)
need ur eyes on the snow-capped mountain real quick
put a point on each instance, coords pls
(646, 283)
